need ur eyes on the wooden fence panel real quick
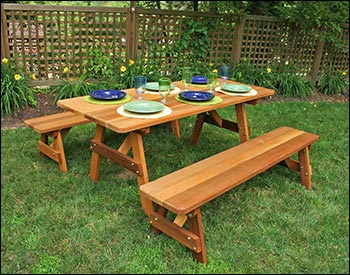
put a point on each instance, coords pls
(47, 39)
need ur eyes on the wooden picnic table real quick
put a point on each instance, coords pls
(107, 117)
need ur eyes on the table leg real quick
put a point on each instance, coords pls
(242, 122)
(175, 128)
(95, 157)
(197, 128)
(139, 157)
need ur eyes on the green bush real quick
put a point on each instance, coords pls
(15, 90)
(332, 82)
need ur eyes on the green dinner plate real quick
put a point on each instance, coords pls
(153, 86)
(236, 88)
(144, 106)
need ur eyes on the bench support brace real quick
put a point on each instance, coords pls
(136, 163)
(213, 117)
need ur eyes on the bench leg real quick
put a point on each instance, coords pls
(305, 167)
(195, 226)
(193, 238)
(58, 145)
(55, 151)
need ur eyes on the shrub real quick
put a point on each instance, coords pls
(15, 90)
(332, 82)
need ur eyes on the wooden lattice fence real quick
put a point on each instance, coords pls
(49, 38)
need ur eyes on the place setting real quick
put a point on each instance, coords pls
(107, 97)
(144, 109)
(153, 88)
(236, 90)
(203, 81)
(200, 98)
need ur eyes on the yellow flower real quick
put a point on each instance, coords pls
(211, 64)
(33, 76)
(244, 59)
(66, 69)
(17, 76)
(268, 69)
(131, 62)
(122, 69)
(343, 73)
(215, 71)
(4, 60)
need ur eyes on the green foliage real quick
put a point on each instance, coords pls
(127, 73)
(195, 40)
(73, 87)
(332, 82)
(15, 90)
(98, 65)
(284, 79)
(293, 84)
(96, 77)
(191, 50)
(320, 18)
(248, 73)
(289, 81)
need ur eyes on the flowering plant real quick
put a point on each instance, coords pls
(15, 91)
(333, 82)
(127, 74)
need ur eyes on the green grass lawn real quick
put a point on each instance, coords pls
(53, 222)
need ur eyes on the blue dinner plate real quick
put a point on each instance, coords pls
(108, 94)
(199, 80)
(196, 96)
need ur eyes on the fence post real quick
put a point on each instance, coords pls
(131, 32)
(238, 38)
(4, 36)
(317, 60)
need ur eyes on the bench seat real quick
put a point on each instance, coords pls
(57, 127)
(183, 192)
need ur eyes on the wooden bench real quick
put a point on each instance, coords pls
(183, 192)
(57, 127)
